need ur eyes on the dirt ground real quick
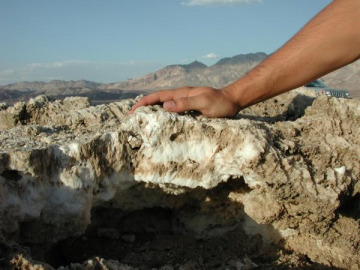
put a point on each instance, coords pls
(355, 93)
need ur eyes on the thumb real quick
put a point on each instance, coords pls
(182, 104)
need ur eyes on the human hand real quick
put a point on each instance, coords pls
(208, 101)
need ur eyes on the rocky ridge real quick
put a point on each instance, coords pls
(226, 70)
(283, 172)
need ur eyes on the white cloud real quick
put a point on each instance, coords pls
(6, 72)
(211, 56)
(218, 2)
(58, 64)
(184, 60)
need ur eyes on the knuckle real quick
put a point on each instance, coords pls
(183, 102)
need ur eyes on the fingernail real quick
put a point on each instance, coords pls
(169, 105)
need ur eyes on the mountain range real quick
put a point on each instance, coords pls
(196, 73)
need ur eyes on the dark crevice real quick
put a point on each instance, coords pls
(174, 136)
(350, 207)
(11, 175)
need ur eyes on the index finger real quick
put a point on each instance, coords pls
(161, 96)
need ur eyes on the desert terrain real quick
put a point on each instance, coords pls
(85, 185)
(90, 187)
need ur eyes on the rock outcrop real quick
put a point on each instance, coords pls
(286, 170)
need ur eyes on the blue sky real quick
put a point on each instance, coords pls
(112, 40)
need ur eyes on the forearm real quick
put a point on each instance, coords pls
(329, 41)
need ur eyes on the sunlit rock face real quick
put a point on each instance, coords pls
(287, 169)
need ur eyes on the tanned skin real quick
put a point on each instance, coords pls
(329, 41)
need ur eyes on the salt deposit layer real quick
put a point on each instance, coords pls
(91, 187)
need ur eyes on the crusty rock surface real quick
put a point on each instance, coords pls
(281, 170)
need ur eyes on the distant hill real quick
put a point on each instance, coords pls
(54, 87)
(347, 78)
(96, 92)
(242, 59)
(225, 71)
(11, 94)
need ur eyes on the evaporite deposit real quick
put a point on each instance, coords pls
(160, 187)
